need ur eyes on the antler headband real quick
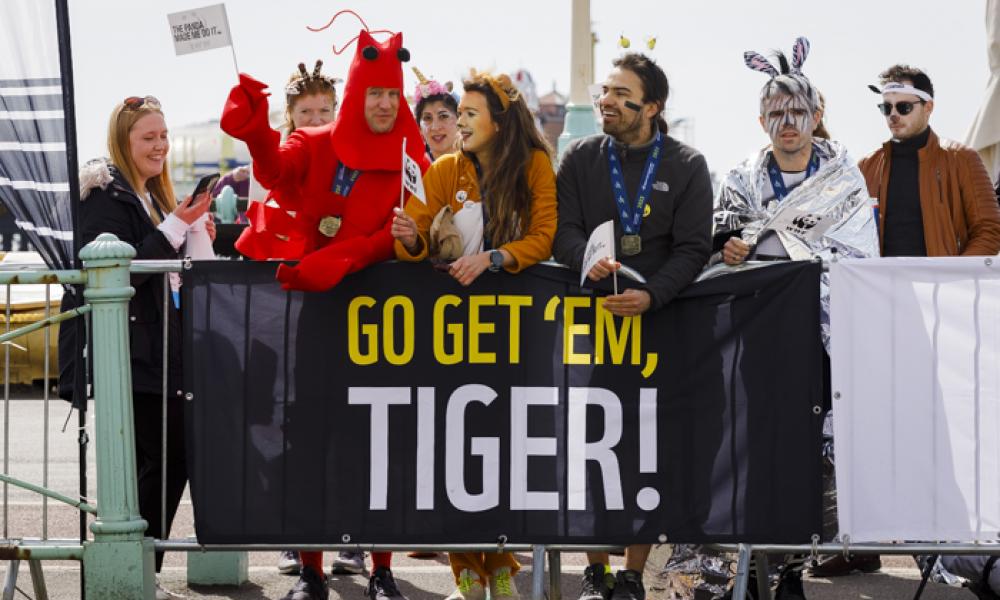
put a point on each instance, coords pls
(300, 84)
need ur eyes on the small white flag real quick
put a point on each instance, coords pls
(600, 245)
(200, 29)
(413, 181)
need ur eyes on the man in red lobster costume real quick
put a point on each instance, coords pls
(341, 180)
(335, 188)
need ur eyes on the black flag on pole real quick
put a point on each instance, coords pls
(34, 166)
(403, 407)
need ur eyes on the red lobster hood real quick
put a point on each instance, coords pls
(354, 143)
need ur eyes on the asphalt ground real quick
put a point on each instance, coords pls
(419, 579)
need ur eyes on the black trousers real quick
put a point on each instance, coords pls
(148, 416)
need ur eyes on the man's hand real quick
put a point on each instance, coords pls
(735, 251)
(602, 269)
(466, 269)
(629, 303)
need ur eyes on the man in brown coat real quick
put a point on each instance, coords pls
(934, 196)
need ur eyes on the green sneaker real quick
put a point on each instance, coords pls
(502, 585)
(469, 587)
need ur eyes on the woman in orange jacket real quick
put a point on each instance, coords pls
(500, 189)
(500, 192)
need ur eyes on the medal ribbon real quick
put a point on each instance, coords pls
(631, 216)
(778, 182)
(344, 181)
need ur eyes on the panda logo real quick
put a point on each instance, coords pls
(806, 222)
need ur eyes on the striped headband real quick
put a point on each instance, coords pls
(895, 87)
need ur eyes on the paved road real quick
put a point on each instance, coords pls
(419, 579)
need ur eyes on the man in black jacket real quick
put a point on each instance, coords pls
(659, 194)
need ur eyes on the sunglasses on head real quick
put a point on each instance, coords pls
(903, 108)
(137, 102)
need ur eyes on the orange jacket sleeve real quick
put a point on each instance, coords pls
(536, 244)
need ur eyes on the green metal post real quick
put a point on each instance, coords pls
(118, 563)
(579, 120)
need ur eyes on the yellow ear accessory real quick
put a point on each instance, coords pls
(623, 41)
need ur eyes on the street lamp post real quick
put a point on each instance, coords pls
(579, 112)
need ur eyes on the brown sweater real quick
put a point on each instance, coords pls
(455, 172)
(960, 212)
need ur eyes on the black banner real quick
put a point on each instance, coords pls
(403, 408)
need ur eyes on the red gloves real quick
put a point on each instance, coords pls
(321, 270)
(245, 117)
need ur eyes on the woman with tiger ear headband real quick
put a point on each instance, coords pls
(501, 195)
(500, 189)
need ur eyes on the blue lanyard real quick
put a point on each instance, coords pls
(778, 182)
(344, 181)
(631, 217)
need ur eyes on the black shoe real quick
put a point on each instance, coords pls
(982, 590)
(310, 586)
(628, 586)
(836, 566)
(597, 583)
(790, 586)
(382, 586)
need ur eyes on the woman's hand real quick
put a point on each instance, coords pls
(404, 229)
(210, 227)
(190, 210)
(466, 269)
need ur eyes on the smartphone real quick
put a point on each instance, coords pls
(205, 184)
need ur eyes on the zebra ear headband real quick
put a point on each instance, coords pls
(800, 50)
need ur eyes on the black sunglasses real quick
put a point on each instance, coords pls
(137, 102)
(903, 108)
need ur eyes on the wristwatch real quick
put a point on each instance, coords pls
(496, 260)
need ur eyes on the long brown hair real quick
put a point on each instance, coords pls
(123, 119)
(506, 180)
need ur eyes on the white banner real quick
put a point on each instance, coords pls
(916, 383)
(200, 29)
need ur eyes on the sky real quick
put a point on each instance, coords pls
(123, 48)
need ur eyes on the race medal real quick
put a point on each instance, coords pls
(329, 226)
(631, 245)
(630, 215)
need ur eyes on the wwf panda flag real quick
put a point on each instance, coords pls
(401, 407)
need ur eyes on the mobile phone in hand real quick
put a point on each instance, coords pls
(205, 184)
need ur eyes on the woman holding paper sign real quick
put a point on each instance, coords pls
(492, 205)
(132, 197)
(500, 195)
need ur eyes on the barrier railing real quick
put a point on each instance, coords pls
(118, 560)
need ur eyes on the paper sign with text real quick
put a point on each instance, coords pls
(600, 245)
(200, 29)
(802, 223)
(412, 179)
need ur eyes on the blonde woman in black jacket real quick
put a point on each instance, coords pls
(132, 197)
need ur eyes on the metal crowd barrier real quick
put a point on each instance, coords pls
(117, 559)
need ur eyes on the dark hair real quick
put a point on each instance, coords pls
(655, 87)
(513, 146)
(901, 73)
(449, 102)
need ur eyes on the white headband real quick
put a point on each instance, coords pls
(894, 87)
